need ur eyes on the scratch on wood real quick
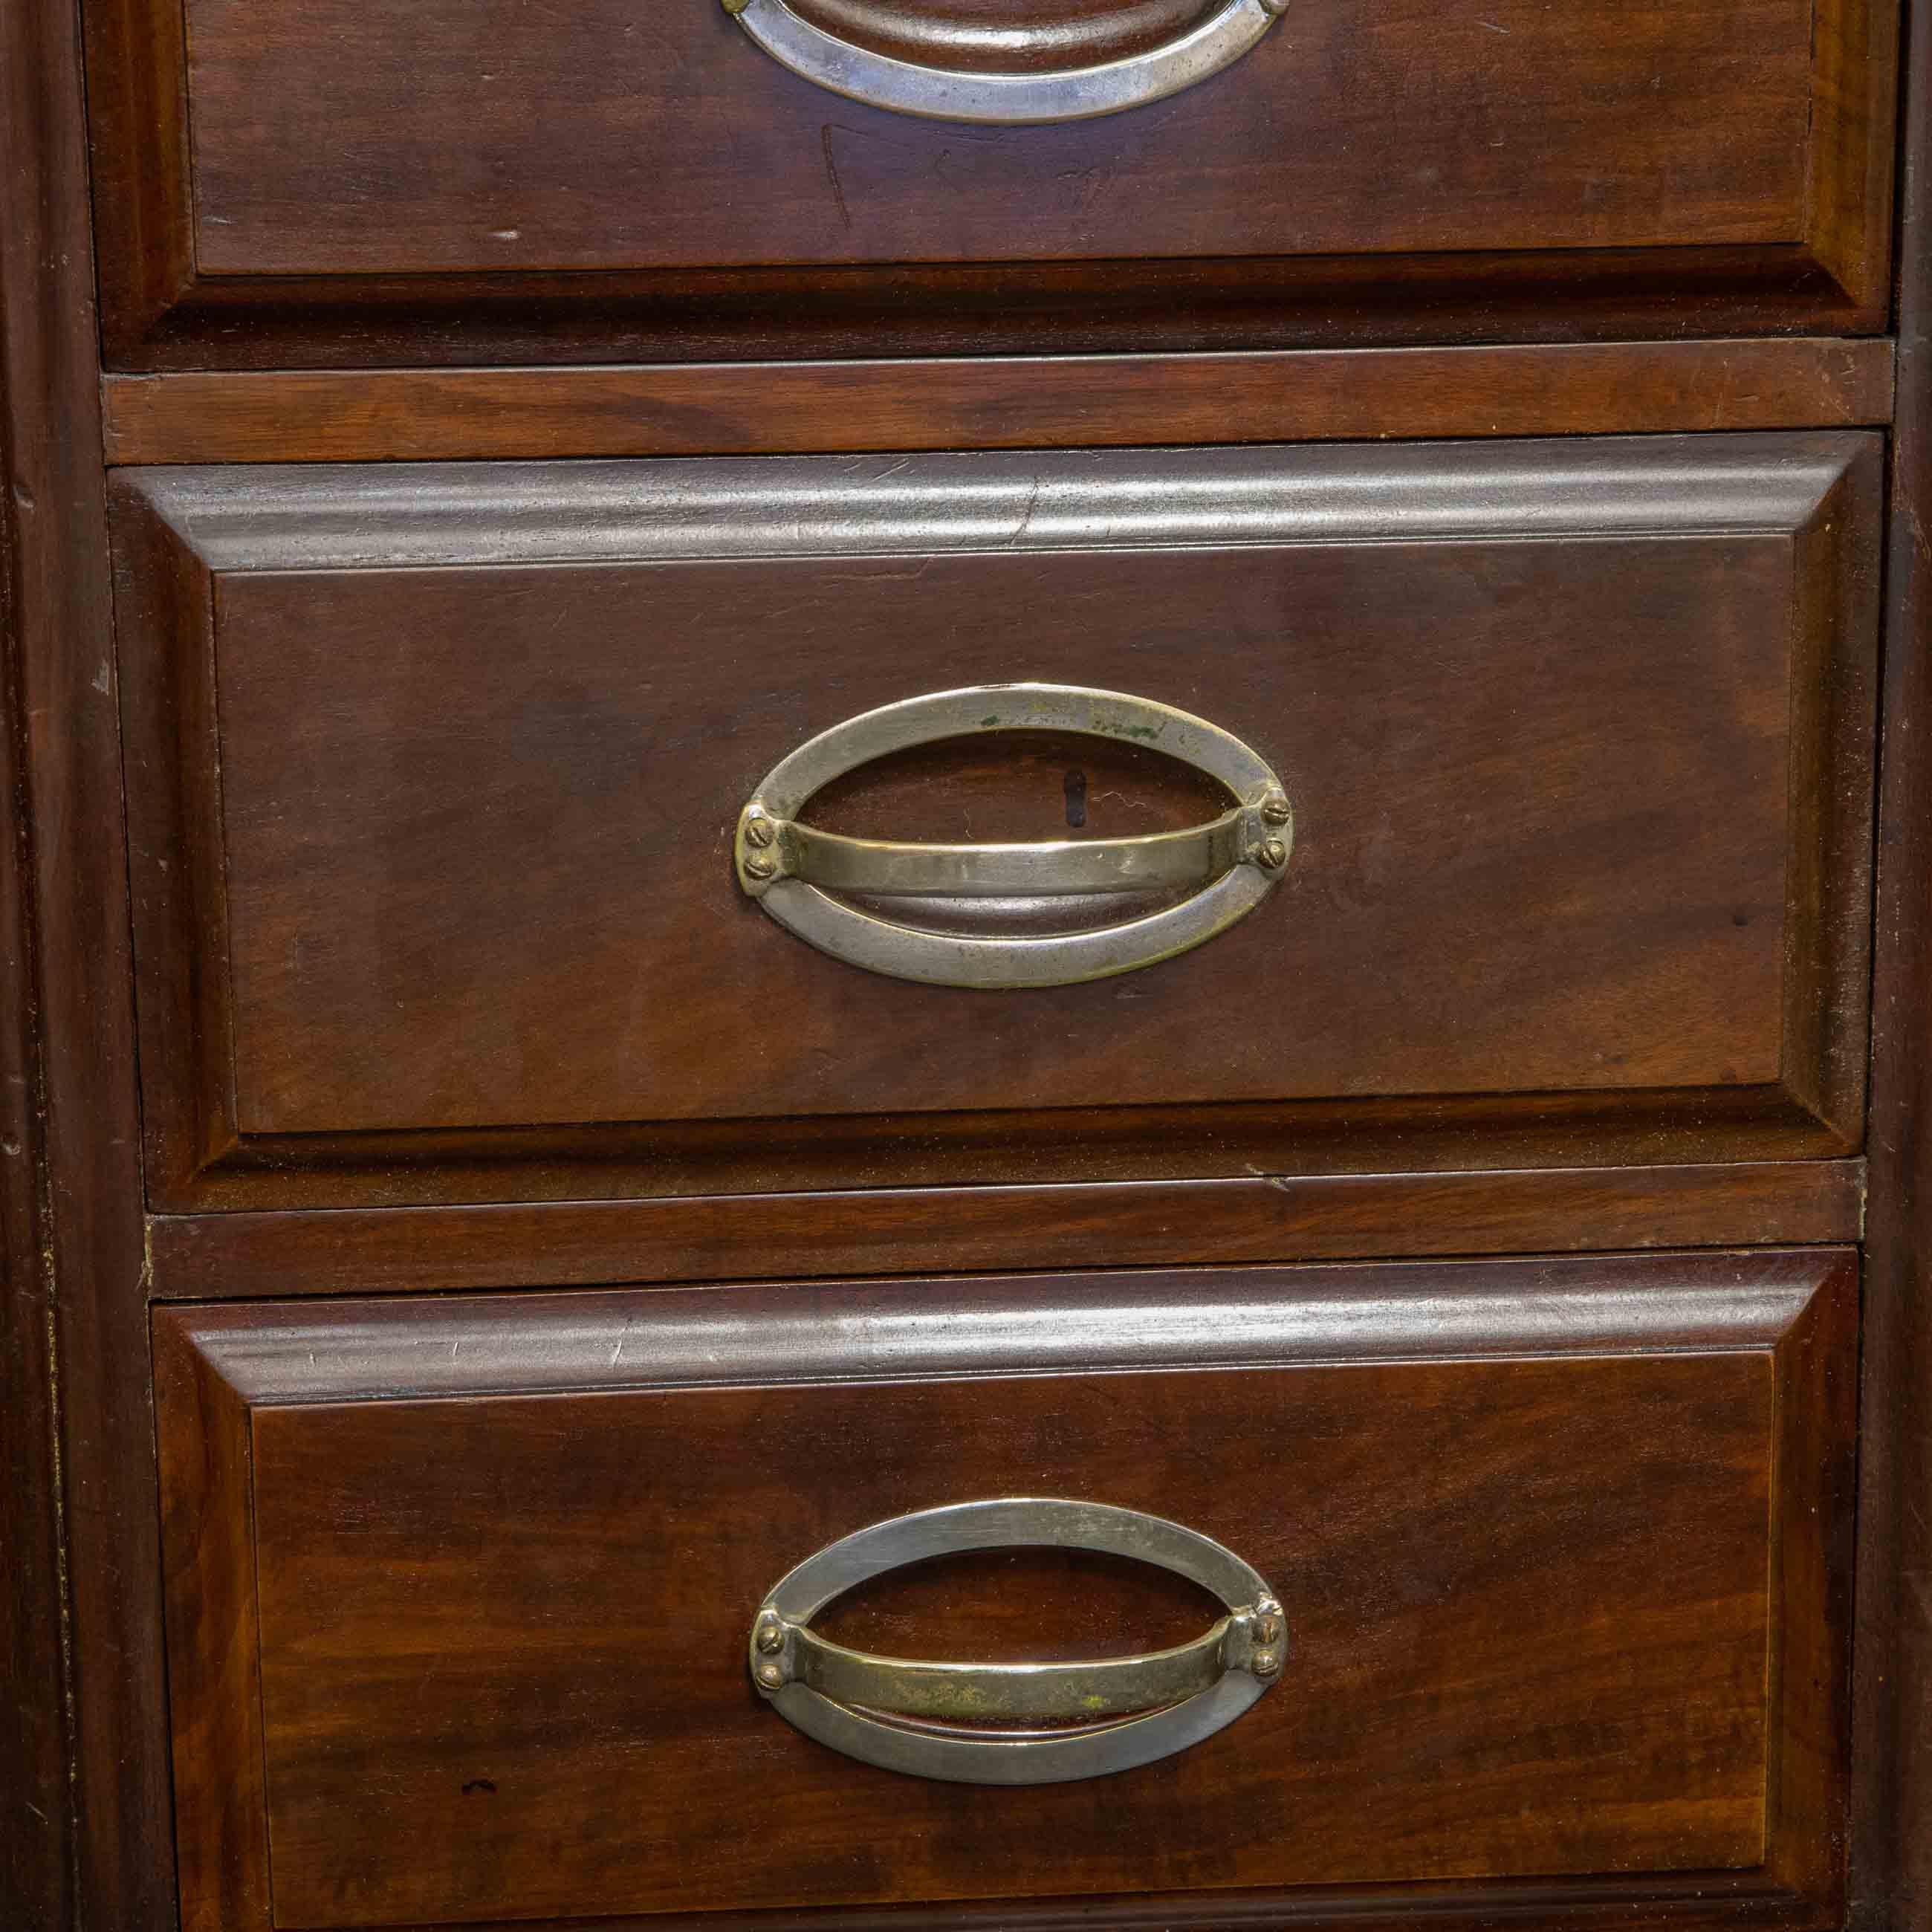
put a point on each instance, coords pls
(832, 173)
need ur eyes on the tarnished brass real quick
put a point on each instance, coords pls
(1120, 1711)
(1227, 866)
(841, 67)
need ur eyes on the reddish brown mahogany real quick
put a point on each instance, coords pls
(355, 785)
(436, 852)
(608, 190)
(459, 1590)
(996, 402)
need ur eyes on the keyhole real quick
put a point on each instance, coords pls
(1076, 799)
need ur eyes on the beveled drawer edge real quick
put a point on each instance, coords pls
(425, 1347)
(318, 517)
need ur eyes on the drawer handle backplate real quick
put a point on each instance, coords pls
(1234, 861)
(1076, 93)
(904, 1715)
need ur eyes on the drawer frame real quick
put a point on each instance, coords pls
(218, 1369)
(180, 532)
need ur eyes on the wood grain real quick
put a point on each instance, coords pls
(88, 1841)
(378, 1512)
(220, 1838)
(912, 1230)
(1849, 183)
(466, 889)
(455, 144)
(996, 402)
(1712, 168)
(1892, 1847)
(37, 1825)
(1400, 1756)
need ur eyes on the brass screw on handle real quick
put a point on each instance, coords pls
(771, 1637)
(1275, 810)
(759, 831)
(771, 1676)
(760, 868)
(1273, 855)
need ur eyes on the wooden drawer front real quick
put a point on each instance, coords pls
(435, 771)
(460, 1591)
(1743, 141)
(691, 149)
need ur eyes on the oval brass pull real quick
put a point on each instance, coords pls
(1124, 1712)
(1076, 94)
(1235, 861)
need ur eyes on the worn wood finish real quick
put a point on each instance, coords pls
(1603, 795)
(997, 403)
(87, 1842)
(37, 1820)
(694, 150)
(1122, 1224)
(414, 1500)
(1892, 1849)
(681, 202)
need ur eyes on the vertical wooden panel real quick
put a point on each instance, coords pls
(89, 1244)
(36, 1820)
(1892, 1862)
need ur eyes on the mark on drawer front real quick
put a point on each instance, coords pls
(1076, 799)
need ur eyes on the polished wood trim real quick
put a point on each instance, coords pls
(88, 1277)
(1814, 1530)
(478, 515)
(425, 1348)
(1849, 170)
(899, 1231)
(1891, 1849)
(993, 402)
(214, 1689)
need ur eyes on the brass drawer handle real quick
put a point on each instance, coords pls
(1124, 1712)
(1234, 861)
(1078, 94)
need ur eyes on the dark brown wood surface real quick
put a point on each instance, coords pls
(1602, 796)
(84, 1841)
(1530, 1598)
(102, 1857)
(457, 140)
(36, 1810)
(1892, 1847)
(1543, 153)
(997, 402)
(477, 881)
(1272, 1218)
